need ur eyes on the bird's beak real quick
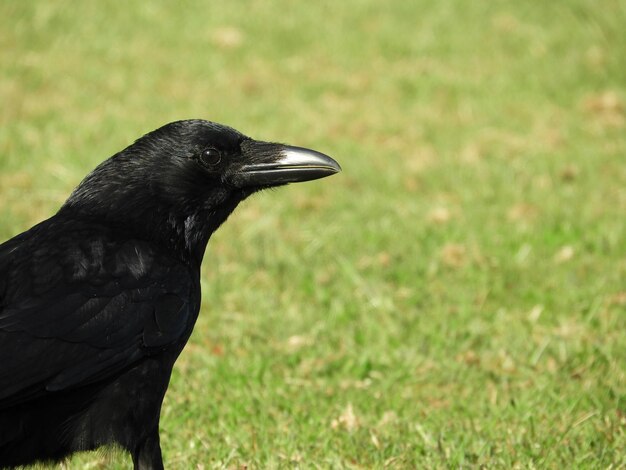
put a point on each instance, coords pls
(286, 164)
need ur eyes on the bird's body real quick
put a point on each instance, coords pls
(97, 302)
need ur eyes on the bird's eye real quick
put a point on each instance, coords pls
(210, 156)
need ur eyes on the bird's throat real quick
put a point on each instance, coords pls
(199, 225)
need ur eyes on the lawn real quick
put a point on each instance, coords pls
(455, 298)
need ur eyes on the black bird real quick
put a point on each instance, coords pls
(97, 302)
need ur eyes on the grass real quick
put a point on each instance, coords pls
(455, 298)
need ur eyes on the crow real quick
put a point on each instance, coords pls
(98, 301)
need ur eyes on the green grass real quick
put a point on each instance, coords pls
(455, 298)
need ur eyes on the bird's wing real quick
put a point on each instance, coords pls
(82, 309)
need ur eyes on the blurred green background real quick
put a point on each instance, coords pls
(455, 298)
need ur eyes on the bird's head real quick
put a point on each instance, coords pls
(186, 177)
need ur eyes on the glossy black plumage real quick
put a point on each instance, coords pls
(97, 302)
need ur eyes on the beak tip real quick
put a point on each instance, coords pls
(333, 166)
